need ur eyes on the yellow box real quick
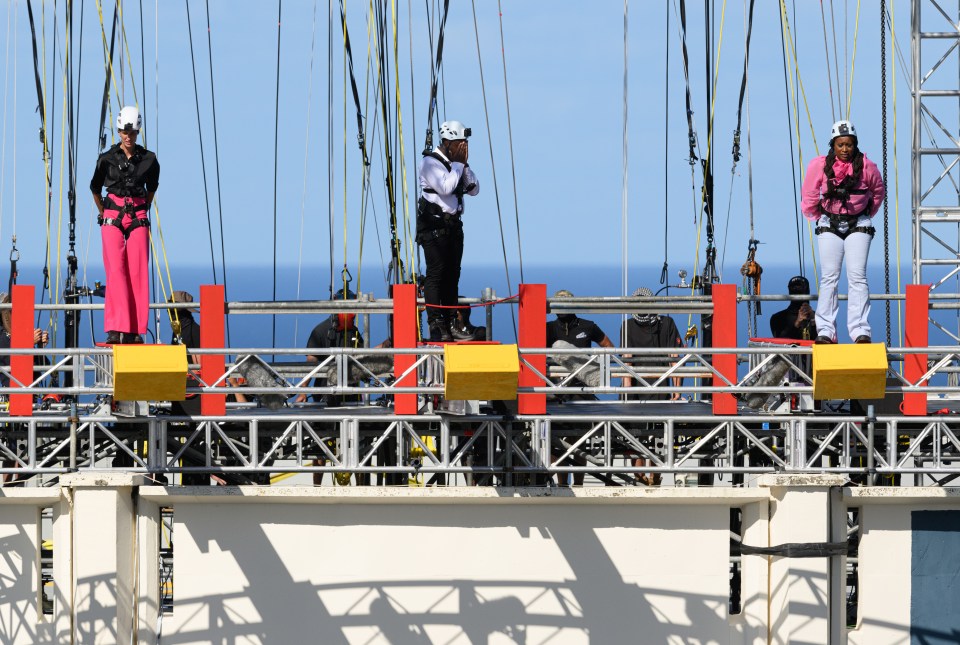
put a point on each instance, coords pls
(149, 372)
(849, 371)
(487, 372)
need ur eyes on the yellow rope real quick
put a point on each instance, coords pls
(109, 59)
(853, 59)
(366, 137)
(403, 157)
(126, 46)
(172, 314)
(796, 114)
(896, 174)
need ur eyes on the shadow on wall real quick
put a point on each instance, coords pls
(316, 589)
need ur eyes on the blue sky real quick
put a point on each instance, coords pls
(565, 70)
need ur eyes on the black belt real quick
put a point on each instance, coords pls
(433, 222)
(118, 222)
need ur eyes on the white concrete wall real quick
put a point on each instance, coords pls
(457, 566)
(885, 558)
(21, 620)
(343, 565)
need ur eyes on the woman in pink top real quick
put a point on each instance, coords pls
(842, 191)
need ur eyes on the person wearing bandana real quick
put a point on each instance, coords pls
(651, 330)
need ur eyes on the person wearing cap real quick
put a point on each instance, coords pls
(130, 174)
(189, 334)
(572, 329)
(339, 330)
(40, 338)
(445, 177)
(842, 191)
(797, 320)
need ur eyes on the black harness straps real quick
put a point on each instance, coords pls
(127, 208)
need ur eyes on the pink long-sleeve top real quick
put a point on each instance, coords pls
(815, 184)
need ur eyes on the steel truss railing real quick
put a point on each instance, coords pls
(652, 371)
(492, 449)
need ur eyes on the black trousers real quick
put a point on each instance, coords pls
(443, 255)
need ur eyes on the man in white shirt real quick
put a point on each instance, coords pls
(445, 178)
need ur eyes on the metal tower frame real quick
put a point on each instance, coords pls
(935, 128)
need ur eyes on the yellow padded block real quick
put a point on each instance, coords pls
(487, 372)
(849, 371)
(149, 372)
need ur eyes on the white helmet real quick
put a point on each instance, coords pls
(129, 119)
(842, 129)
(454, 130)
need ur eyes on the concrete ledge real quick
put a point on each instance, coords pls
(167, 495)
(102, 479)
(901, 495)
(35, 496)
(802, 480)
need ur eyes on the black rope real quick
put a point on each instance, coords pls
(216, 161)
(883, 128)
(493, 167)
(793, 159)
(709, 265)
(435, 77)
(665, 270)
(276, 163)
(691, 135)
(381, 26)
(108, 75)
(743, 87)
(36, 73)
(353, 85)
(203, 164)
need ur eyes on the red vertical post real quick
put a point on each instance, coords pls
(212, 366)
(21, 337)
(404, 337)
(533, 333)
(725, 335)
(916, 334)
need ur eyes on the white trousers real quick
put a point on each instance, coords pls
(833, 251)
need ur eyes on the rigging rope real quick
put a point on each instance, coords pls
(493, 167)
(853, 59)
(896, 174)
(836, 57)
(826, 53)
(883, 130)
(793, 157)
(306, 156)
(664, 271)
(748, 24)
(625, 161)
(203, 157)
(435, 77)
(276, 164)
(216, 161)
(108, 75)
(6, 90)
(513, 166)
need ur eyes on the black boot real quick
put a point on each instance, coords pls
(461, 330)
(113, 338)
(439, 329)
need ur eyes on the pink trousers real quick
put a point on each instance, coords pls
(127, 306)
